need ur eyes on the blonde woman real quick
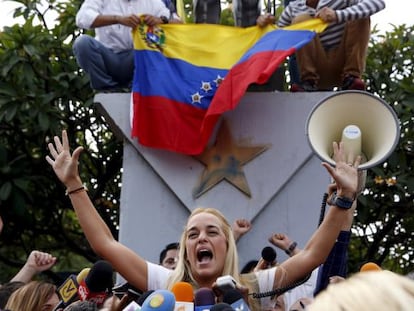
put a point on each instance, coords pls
(372, 290)
(207, 245)
(34, 296)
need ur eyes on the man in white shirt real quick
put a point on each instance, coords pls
(108, 57)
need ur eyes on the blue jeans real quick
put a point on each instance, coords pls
(336, 263)
(107, 69)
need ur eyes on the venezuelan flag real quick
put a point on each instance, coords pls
(187, 75)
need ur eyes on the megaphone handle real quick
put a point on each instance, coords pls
(323, 208)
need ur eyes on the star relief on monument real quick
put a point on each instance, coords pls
(224, 160)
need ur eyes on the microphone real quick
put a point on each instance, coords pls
(204, 299)
(184, 296)
(82, 275)
(126, 289)
(136, 305)
(222, 306)
(97, 284)
(370, 266)
(159, 300)
(68, 291)
(144, 296)
(235, 299)
(269, 255)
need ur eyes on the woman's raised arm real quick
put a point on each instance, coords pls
(125, 261)
(321, 242)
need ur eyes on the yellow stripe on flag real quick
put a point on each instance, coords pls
(188, 41)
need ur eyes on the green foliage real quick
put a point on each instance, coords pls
(43, 91)
(385, 219)
(188, 7)
(226, 17)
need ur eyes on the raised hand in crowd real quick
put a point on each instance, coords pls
(285, 243)
(36, 262)
(240, 227)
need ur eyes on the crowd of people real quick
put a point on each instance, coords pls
(207, 247)
(206, 251)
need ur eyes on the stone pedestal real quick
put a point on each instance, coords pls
(286, 181)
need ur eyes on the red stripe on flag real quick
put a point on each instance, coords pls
(159, 122)
(256, 69)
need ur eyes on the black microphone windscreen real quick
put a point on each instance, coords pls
(144, 296)
(232, 295)
(204, 297)
(222, 306)
(99, 278)
(268, 254)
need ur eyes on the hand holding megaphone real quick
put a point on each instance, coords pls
(345, 177)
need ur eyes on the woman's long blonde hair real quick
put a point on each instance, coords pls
(31, 296)
(371, 290)
(182, 272)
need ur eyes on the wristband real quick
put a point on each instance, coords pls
(341, 202)
(83, 188)
(291, 248)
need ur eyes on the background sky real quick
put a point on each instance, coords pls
(397, 12)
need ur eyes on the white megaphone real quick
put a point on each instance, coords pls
(367, 125)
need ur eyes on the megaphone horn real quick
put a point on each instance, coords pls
(367, 125)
